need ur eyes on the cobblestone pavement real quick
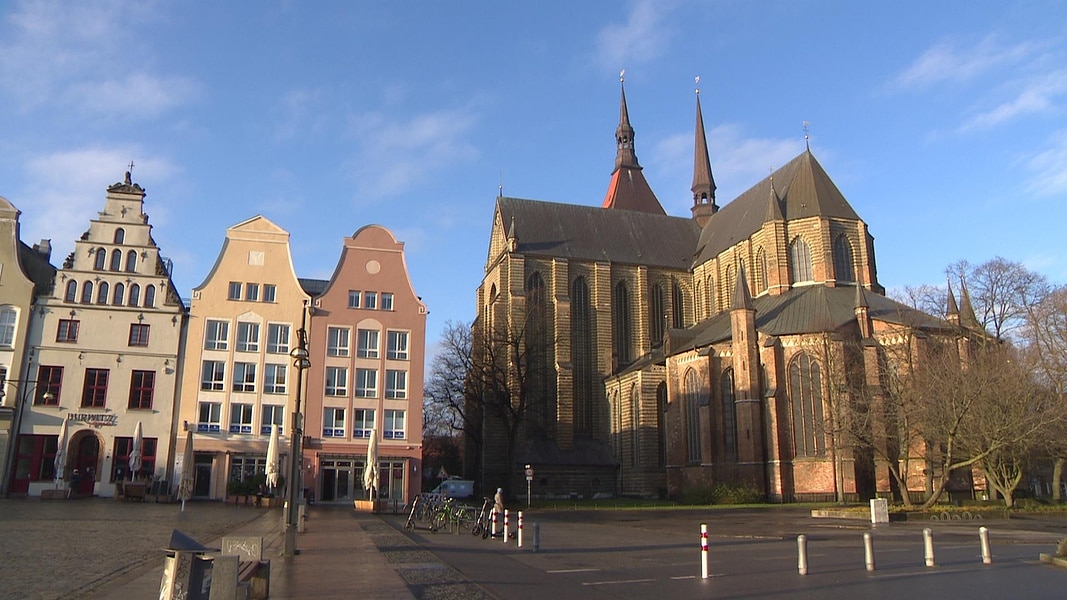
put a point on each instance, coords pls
(69, 548)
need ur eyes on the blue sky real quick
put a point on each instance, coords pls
(942, 122)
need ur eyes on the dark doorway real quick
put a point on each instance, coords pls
(866, 484)
(86, 460)
(202, 481)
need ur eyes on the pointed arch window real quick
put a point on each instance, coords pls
(135, 294)
(805, 391)
(844, 266)
(101, 293)
(729, 415)
(713, 305)
(677, 306)
(120, 293)
(621, 328)
(71, 294)
(131, 261)
(87, 292)
(120, 235)
(692, 416)
(150, 296)
(583, 349)
(800, 261)
(100, 259)
(657, 319)
(761, 271)
(539, 350)
(729, 283)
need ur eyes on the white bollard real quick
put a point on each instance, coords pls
(983, 535)
(703, 550)
(802, 554)
(506, 525)
(519, 534)
(537, 536)
(928, 546)
(493, 532)
(868, 551)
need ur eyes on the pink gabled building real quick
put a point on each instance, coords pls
(367, 340)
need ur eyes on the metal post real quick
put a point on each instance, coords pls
(802, 554)
(703, 550)
(537, 537)
(928, 546)
(300, 362)
(983, 535)
(868, 551)
(506, 516)
(519, 533)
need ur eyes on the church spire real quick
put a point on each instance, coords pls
(624, 133)
(703, 182)
(628, 189)
(952, 311)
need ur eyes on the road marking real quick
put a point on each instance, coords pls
(618, 581)
(684, 577)
(572, 570)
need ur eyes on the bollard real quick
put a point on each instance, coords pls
(868, 551)
(537, 536)
(519, 534)
(494, 523)
(928, 546)
(506, 525)
(802, 554)
(703, 550)
(983, 535)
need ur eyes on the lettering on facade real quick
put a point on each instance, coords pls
(96, 420)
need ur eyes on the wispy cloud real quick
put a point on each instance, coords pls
(68, 53)
(953, 61)
(642, 38)
(298, 112)
(1049, 168)
(1035, 96)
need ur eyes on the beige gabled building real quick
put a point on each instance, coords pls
(104, 352)
(238, 379)
(25, 274)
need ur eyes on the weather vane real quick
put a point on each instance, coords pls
(622, 76)
(806, 135)
(697, 78)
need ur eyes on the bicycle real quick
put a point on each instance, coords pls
(483, 524)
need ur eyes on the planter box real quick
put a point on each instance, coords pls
(366, 505)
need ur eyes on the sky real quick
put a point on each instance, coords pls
(943, 123)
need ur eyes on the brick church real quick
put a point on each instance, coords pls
(663, 354)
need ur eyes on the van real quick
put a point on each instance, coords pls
(455, 488)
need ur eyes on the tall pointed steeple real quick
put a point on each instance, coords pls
(952, 311)
(628, 189)
(742, 299)
(967, 316)
(703, 182)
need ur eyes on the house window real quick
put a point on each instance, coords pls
(101, 293)
(8, 318)
(362, 422)
(150, 296)
(333, 422)
(87, 292)
(273, 414)
(368, 343)
(396, 384)
(209, 417)
(49, 382)
(139, 334)
(241, 418)
(394, 425)
(71, 294)
(216, 335)
(244, 377)
(692, 416)
(121, 459)
(805, 389)
(398, 345)
(387, 301)
(234, 291)
(131, 261)
(337, 341)
(35, 457)
(366, 383)
(94, 390)
(800, 261)
(270, 292)
(135, 295)
(120, 235)
(67, 331)
(116, 259)
(247, 468)
(274, 379)
(142, 385)
(252, 292)
(353, 298)
(277, 338)
(100, 259)
(336, 381)
(729, 415)
(119, 295)
(370, 300)
(247, 337)
(212, 376)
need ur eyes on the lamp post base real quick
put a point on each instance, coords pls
(290, 549)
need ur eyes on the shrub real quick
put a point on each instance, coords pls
(721, 493)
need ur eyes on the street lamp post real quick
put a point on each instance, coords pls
(25, 389)
(300, 363)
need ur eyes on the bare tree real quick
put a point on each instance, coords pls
(1046, 350)
(452, 399)
(1000, 291)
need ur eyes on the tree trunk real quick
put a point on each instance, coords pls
(1057, 478)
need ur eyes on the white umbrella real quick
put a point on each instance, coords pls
(136, 451)
(61, 454)
(272, 458)
(185, 487)
(370, 473)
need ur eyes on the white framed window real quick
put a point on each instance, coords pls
(241, 418)
(353, 298)
(397, 345)
(234, 291)
(277, 338)
(247, 337)
(209, 417)
(274, 378)
(252, 292)
(336, 381)
(337, 341)
(367, 343)
(8, 320)
(394, 425)
(213, 376)
(366, 383)
(396, 384)
(272, 414)
(216, 334)
(370, 300)
(362, 422)
(270, 292)
(333, 422)
(244, 377)
(387, 301)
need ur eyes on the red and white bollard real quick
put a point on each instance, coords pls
(519, 534)
(493, 532)
(506, 516)
(703, 550)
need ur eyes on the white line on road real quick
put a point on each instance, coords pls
(618, 581)
(572, 570)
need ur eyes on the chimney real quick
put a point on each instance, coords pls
(44, 249)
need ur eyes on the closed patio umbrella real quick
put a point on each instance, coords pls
(61, 454)
(272, 459)
(136, 451)
(370, 473)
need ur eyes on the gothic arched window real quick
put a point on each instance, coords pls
(621, 329)
(692, 416)
(656, 316)
(761, 271)
(844, 267)
(805, 392)
(729, 415)
(541, 375)
(800, 261)
(583, 350)
(677, 305)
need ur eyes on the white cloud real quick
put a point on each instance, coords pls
(949, 61)
(1036, 96)
(643, 37)
(1049, 168)
(299, 112)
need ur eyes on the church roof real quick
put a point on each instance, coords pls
(809, 309)
(803, 189)
(592, 233)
